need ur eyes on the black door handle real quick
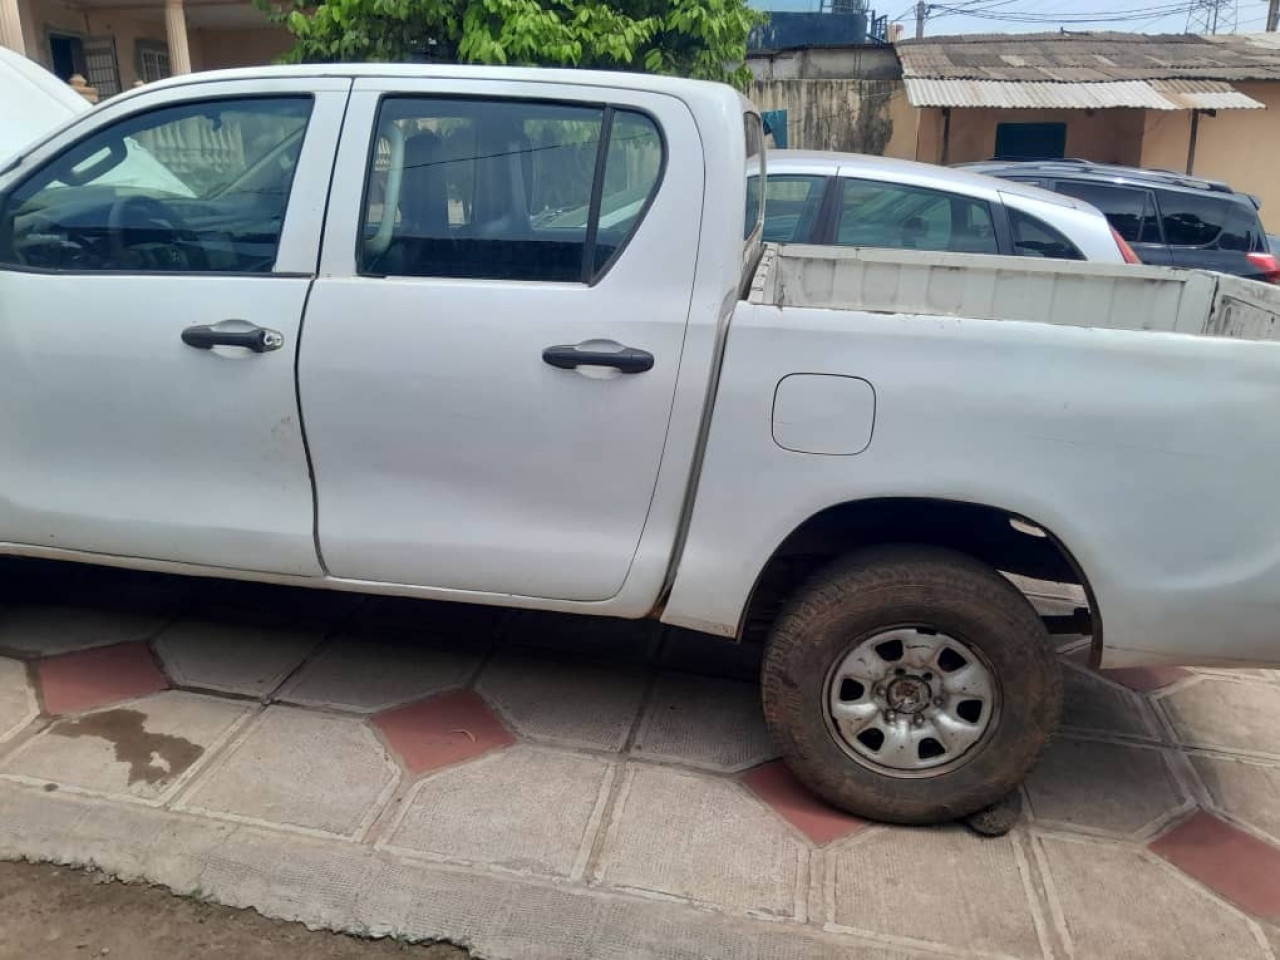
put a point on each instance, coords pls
(257, 339)
(569, 357)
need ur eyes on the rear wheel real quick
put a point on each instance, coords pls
(910, 684)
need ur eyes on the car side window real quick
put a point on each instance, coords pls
(791, 207)
(505, 189)
(1132, 212)
(200, 187)
(875, 214)
(1191, 220)
(1035, 238)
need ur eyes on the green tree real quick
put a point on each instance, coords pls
(704, 39)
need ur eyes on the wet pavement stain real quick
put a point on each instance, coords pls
(152, 757)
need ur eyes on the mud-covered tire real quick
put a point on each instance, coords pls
(929, 590)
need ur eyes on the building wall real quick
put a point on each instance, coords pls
(1237, 146)
(41, 17)
(856, 116)
(1109, 136)
(252, 47)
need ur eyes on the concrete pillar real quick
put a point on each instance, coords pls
(175, 26)
(11, 26)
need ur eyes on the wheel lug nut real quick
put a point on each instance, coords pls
(938, 701)
(918, 720)
(890, 716)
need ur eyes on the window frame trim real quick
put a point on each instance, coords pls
(42, 159)
(607, 111)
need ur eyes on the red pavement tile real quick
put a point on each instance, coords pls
(778, 787)
(1227, 860)
(434, 733)
(94, 678)
(1146, 679)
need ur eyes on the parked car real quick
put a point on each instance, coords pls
(1169, 219)
(32, 102)
(855, 200)
(643, 411)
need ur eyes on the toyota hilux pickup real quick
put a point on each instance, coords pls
(511, 337)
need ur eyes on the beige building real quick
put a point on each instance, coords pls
(1203, 105)
(117, 43)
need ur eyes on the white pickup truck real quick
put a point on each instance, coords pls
(506, 337)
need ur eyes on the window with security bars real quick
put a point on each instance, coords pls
(101, 67)
(153, 61)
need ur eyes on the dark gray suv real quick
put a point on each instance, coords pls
(1169, 219)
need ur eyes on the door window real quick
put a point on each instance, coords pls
(791, 206)
(1191, 220)
(505, 190)
(874, 214)
(1131, 212)
(200, 187)
(1035, 238)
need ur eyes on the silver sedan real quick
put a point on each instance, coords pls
(855, 200)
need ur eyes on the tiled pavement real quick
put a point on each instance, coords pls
(537, 786)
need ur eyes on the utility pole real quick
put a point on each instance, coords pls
(922, 9)
(1273, 14)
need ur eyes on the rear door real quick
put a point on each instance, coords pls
(1131, 211)
(1210, 231)
(492, 348)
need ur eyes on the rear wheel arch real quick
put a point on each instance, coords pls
(1002, 539)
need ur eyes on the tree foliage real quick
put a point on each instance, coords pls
(704, 39)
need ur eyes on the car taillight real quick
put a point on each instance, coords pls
(1268, 264)
(1126, 251)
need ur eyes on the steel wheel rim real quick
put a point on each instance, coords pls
(911, 702)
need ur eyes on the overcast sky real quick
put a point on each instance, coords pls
(1010, 16)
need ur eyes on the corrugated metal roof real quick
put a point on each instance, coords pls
(1090, 57)
(1033, 95)
(1205, 95)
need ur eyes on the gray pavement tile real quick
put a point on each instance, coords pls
(1090, 703)
(606, 638)
(703, 839)
(345, 886)
(302, 769)
(140, 750)
(1123, 790)
(1118, 903)
(704, 722)
(18, 705)
(44, 631)
(565, 701)
(1247, 791)
(232, 657)
(526, 809)
(944, 886)
(1224, 714)
(368, 674)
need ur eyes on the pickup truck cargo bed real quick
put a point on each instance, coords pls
(1063, 292)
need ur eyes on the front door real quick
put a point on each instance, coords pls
(151, 296)
(491, 353)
